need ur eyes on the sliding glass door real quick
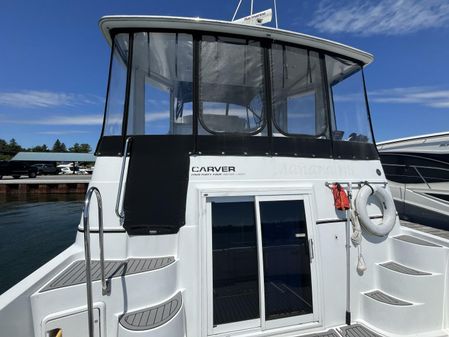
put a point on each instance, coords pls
(260, 263)
(235, 272)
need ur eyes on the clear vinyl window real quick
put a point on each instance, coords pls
(160, 101)
(350, 120)
(117, 87)
(297, 93)
(231, 84)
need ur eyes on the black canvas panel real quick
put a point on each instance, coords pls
(156, 185)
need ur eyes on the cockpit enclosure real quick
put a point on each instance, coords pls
(179, 93)
(235, 95)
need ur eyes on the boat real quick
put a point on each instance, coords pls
(237, 191)
(418, 171)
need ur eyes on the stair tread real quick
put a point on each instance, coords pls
(387, 299)
(328, 333)
(403, 269)
(357, 330)
(76, 272)
(415, 240)
(152, 317)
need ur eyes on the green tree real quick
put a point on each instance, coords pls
(85, 148)
(74, 148)
(40, 148)
(4, 154)
(3, 146)
(14, 147)
(58, 146)
(80, 148)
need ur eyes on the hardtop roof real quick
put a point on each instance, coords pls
(109, 23)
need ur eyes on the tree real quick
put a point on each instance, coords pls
(85, 148)
(58, 146)
(75, 148)
(4, 154)
(14, 147)
(3, 146)
(40, 148)
(80, 148)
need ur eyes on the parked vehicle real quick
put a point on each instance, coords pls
(44, 169)
(86, 170)
(16, 169)
(69, 170)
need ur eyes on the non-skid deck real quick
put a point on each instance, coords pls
(426, 229)
(329, 333)
(403, 269)
(385, 298)
(76, 272)
(152, 317)
(355, 330)
(415, 240)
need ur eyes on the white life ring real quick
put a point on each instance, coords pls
(388, 209)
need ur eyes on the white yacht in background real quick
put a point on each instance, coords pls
(213, 212)
(418, 171)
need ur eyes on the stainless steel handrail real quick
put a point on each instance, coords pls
(118, 211)
(360, 183)
(104, 285)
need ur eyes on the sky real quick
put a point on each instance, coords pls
(54, 59)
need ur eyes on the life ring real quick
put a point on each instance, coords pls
(388, 209)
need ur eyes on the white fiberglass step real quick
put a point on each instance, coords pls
(413, 254)
(397, 315)
(129, 293)
(415, 285)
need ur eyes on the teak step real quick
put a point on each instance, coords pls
(153, 317)
(415, 240)
(403, 269)
(76, 272)
(385, 298)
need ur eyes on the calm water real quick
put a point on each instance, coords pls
(34, 229)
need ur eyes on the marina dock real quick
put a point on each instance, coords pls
(45, 184)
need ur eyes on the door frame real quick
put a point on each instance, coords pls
(293, 320)
(301, 192)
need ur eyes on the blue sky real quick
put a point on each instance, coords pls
(54, 60)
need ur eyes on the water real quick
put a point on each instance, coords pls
(34, 229)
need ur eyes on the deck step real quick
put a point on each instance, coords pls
(76, 272)
(357, 330)
(415, 240)
(385, 298)
(403, 269)
(328, 333)
(153, 317)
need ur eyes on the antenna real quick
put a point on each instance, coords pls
(251, 19)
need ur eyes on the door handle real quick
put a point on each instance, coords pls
(300, 235)
(311, 250)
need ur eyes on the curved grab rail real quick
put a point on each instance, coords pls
(119, 212)
(104, 285)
